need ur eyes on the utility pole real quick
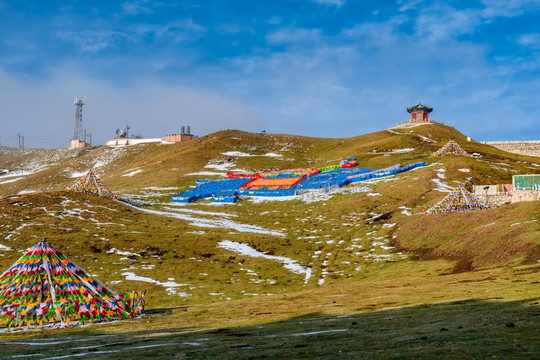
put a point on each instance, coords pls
(20, 148)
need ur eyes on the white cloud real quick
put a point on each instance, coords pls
(409, 5)
(436, 24)
(178, 31)
(337, 3)
(136, 7)
(506, 8)
(92, 41)
(440, 21)
(293, 35)
(376, 32)
(529, 40)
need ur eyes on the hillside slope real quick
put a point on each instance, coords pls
(334, 236)
(221, 259)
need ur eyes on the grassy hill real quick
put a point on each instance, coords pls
(362, 260)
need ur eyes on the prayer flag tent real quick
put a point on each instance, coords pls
(90, 184)
(44, 287)
(451, 148)
(458, 200)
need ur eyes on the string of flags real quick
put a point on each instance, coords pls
(91, 184)
(44, 287)
(458, 200)
(450, 148)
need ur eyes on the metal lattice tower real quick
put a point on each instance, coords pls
(78, 119)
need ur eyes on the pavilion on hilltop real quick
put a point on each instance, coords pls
(419, 113)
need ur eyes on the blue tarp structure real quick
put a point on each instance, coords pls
(209, 188)
(229, 190)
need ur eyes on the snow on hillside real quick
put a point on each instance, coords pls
(220, 221)
(32, 162)
(244, 249)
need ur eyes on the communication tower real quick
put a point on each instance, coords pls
(78, 119)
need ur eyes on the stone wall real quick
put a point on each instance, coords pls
(525, 195)
(531, 148)
(495, 199)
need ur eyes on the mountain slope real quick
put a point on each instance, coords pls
(211, 257)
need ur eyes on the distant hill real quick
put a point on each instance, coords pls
(127, 169)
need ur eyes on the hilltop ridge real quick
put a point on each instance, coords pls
(167, 165)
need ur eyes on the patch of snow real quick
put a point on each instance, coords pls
(149, 346)
(405, 211)
(199, 212)
(236, 153)
(243, 249)
(464, 170)
(4, 248)
(373, 194)
(26, 192)
(81, 354)
(208, 173)
(108, 156)
(261, 199)
(133, 172)
(220, 166)
(123, 253)
(313, 332)
(78, 174)
(380, 257)
(442, 187)
(25, 355)
(11, 180)
(170, 286)
(31, 343)
(11, 174)
(400, 151)
(518, 223)
(440, 173)
(273, 155)
(425, 139)
(214, 223)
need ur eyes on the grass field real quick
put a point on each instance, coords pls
(371, 276)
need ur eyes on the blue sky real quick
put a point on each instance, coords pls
(329, 68)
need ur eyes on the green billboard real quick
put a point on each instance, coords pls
(526, 182)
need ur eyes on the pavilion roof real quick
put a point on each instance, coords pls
(419, 107)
